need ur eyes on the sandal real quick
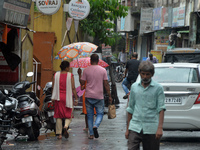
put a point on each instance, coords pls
(85, 129)
(91, 137)
(59, 137)
(66, 133)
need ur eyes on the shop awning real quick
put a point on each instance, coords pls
(186, 31)
(18, 26)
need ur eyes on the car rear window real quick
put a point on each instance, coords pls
(176, 75)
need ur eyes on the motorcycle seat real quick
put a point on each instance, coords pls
(23, 98)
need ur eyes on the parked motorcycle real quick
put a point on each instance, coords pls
(8, 110)
(119, 72)
(27, 121)
(47, 111)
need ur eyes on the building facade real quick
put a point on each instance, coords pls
(154, 20)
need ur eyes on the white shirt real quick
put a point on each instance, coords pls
(122, 57)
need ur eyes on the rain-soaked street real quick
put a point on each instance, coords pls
(111, 136)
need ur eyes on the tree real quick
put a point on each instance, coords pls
(101, 24)
(100, 20)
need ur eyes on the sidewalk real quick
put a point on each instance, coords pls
(111, 131)
(111, 134)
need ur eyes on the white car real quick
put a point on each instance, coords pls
(181, 83)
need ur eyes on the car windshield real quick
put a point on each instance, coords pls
(176, 75)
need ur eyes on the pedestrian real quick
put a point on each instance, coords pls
(122, 57)
(132, 70)
(145, 111)
(152, 58)
(96, 77)
(63, 87)
(84, 109)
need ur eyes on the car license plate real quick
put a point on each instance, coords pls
(173, 100)
(27, 119)
(50, 113)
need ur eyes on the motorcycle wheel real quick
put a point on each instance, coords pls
(2, 139)
(118, 77)
(33, 133)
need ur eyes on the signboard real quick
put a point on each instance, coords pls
(122, 23)
(164, 20)
(106, 51)
(127, 45)
(79, 9)
(178, 17)
(15, 11)
(48, 7)
(157, 13)
(162, 37)
(157, 54)
(169, 16)
(146, 20)
(163, 48)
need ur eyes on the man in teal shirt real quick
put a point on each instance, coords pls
(145, 111)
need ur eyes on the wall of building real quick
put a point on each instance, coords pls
(55, 23)
(27, 46)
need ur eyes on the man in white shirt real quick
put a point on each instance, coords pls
(122, 57)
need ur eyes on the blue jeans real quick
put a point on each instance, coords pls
(98, 104)
(125, 83)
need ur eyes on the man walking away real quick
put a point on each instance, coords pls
(122, 57)
(145, 111)
(96, 77)
(132, 70)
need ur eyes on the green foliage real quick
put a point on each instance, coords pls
(35, 8)
(100, 21)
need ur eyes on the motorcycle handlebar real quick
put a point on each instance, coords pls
(33, 82)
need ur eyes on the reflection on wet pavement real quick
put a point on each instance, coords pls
(111, 132)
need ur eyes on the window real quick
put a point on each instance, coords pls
(176, 75)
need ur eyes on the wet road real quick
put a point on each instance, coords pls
(111, 137)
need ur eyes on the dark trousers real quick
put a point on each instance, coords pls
(149, 141)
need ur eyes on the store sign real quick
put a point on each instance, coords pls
(48, 7)
(106, 51)
(178, 17)
(79, 9)
(157, 15)
(146, 20)
(157, 54)
(15, 11)
(164, 21)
